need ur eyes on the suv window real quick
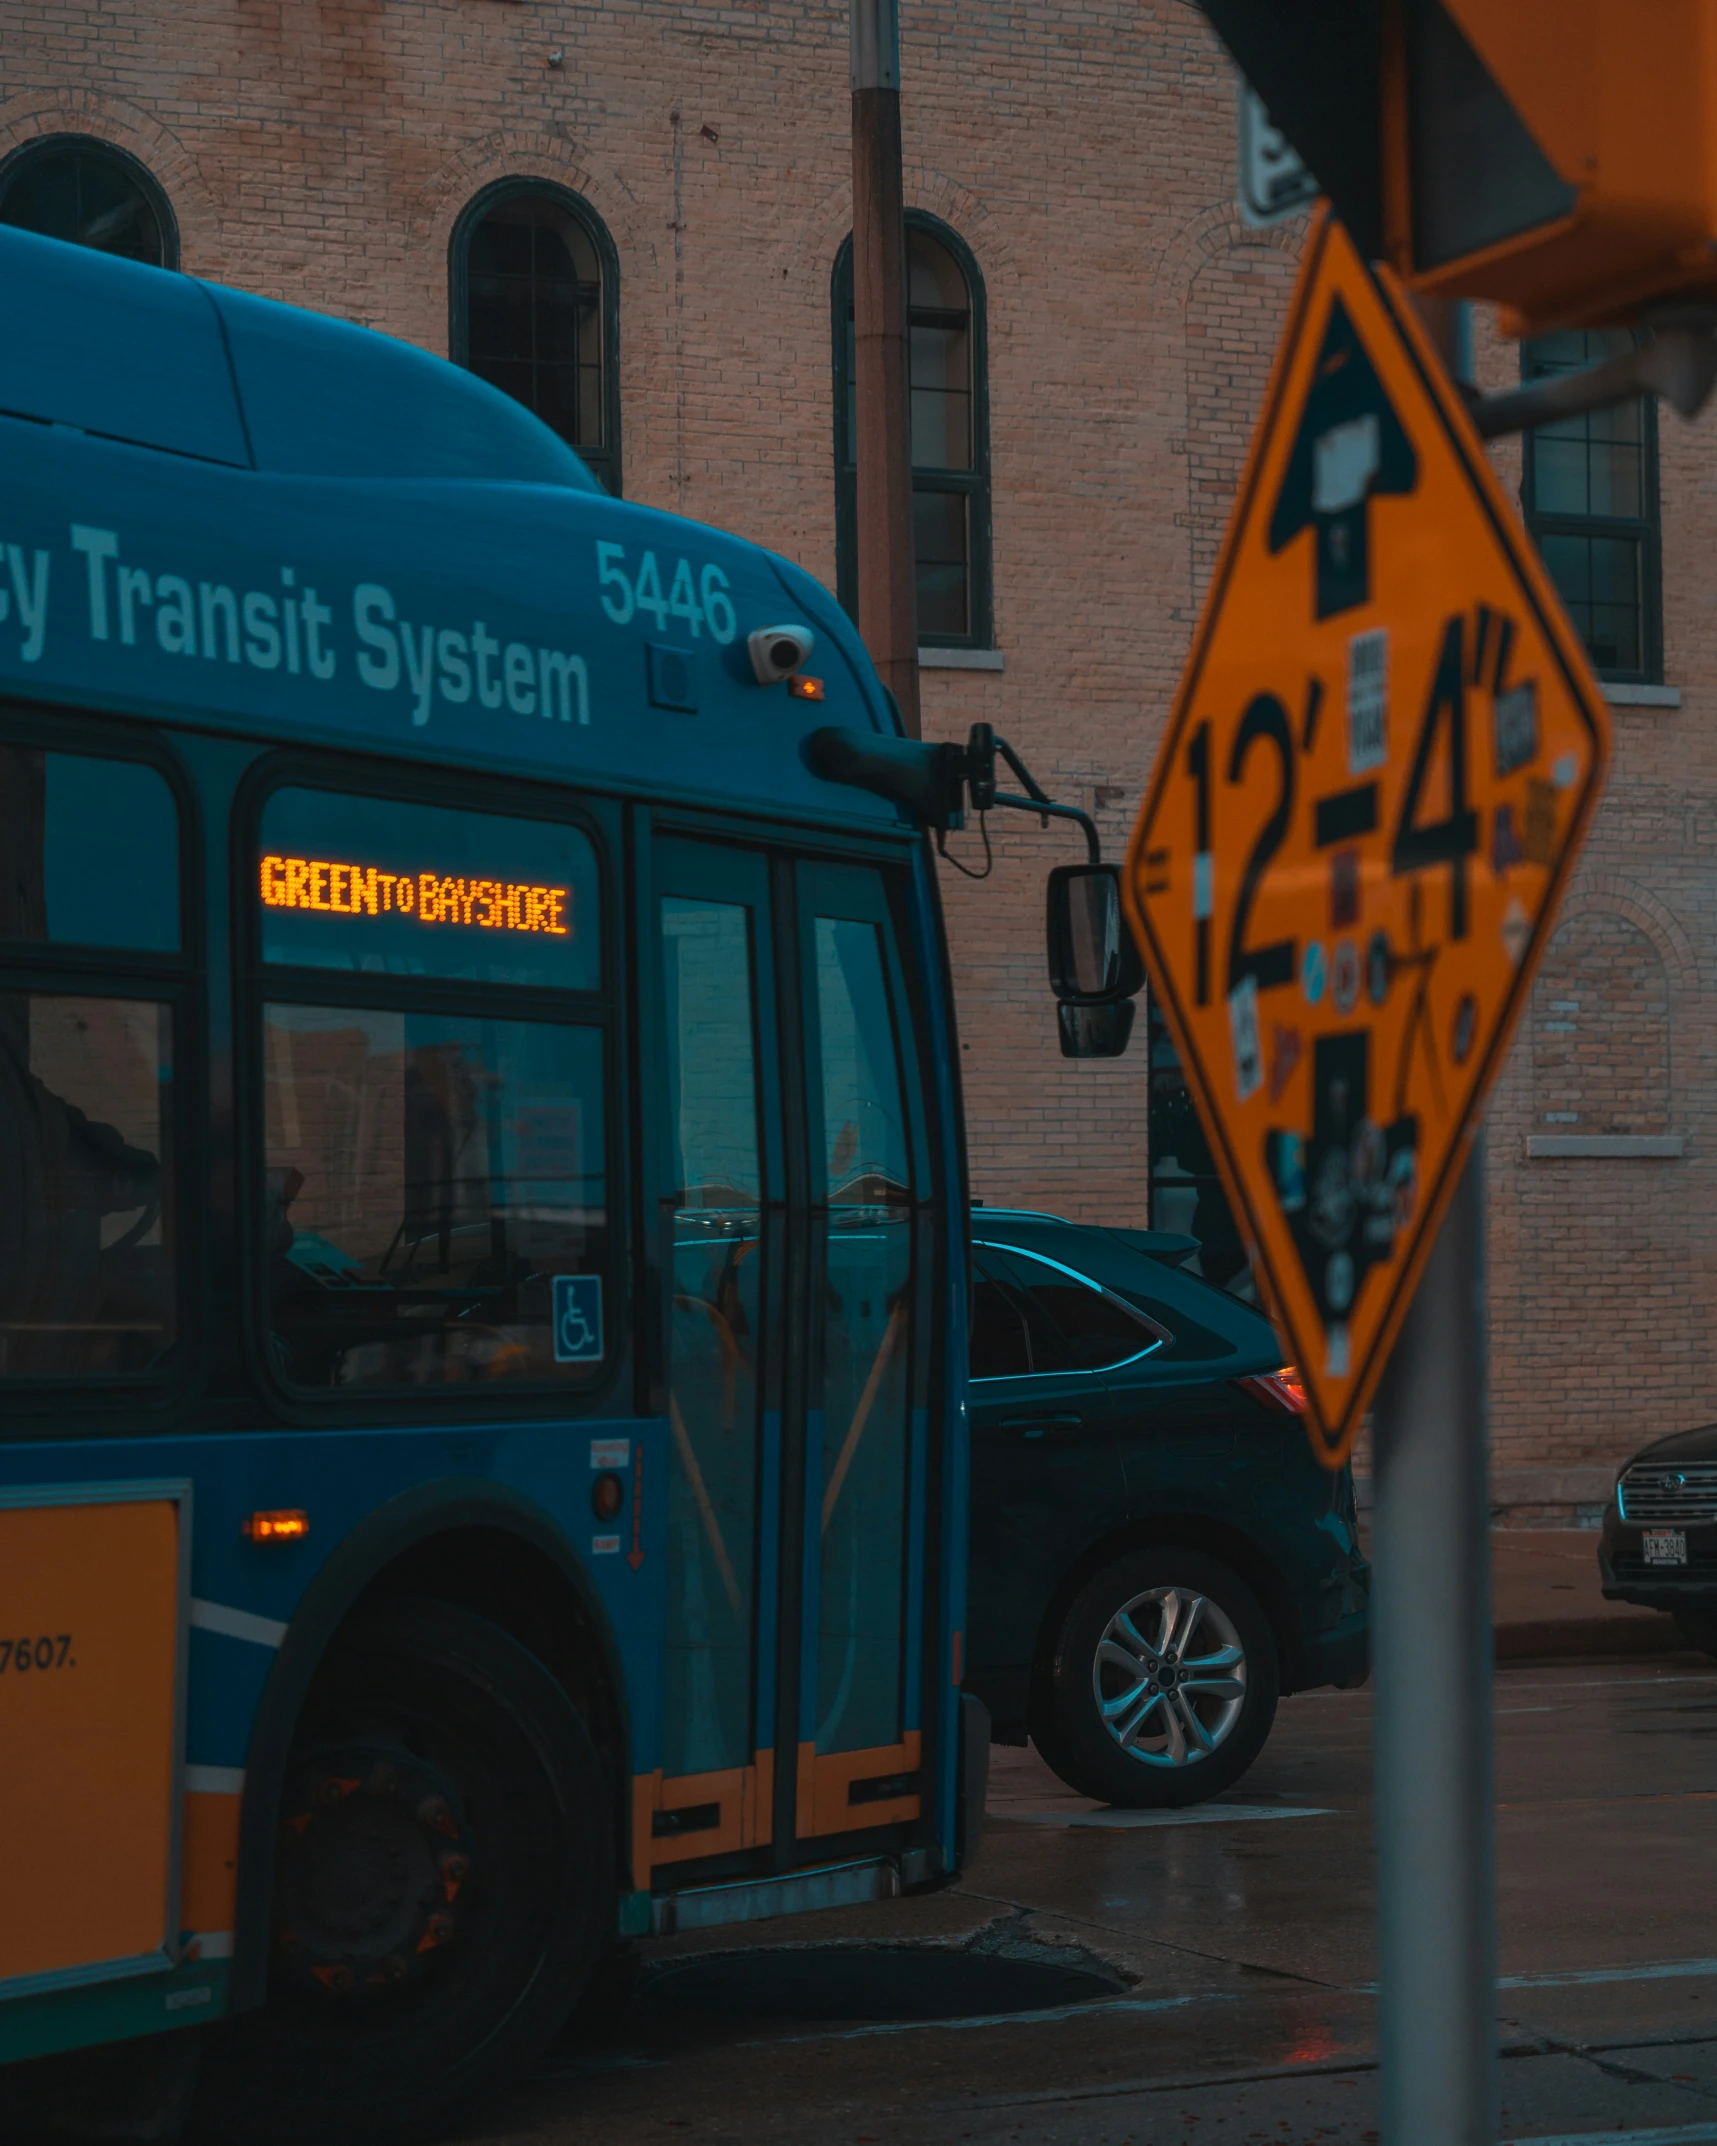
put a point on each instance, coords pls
(1001, 1341)
(1094, 1327)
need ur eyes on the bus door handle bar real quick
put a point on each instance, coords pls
(1035, 1426)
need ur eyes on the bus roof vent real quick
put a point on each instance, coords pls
(322, 398)
(114, 348)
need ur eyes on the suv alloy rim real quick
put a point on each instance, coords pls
(1169, 1676)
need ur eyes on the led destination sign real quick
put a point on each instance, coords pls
(512, 900)
(366, 890)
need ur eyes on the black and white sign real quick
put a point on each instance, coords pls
(1274, 184)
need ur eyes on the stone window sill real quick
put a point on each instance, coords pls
(960, 659)
(1626, 696)
(1549, 1147)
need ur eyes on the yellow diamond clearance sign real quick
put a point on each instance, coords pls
(1383, 759)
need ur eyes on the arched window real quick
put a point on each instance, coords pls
(73, 187)
(534, 283)
(1589, 488)
(1601, 1030)
(950, 437)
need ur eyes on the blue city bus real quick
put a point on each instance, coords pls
(482, 1221)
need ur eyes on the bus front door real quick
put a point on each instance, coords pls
(861, 1627)
(792, 1682)
(724, 1267)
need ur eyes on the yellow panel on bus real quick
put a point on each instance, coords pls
(89, 1611)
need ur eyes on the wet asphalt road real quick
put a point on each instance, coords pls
(1234, 1959)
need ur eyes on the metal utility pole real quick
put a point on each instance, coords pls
(1436, 1859)
(887, 588)
(1432, 1656)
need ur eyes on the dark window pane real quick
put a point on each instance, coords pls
(92, 851)
(1559, 473)
(939, 534)
(88, 199)
(1595, 466)
(432, 1183)
(940, 356)
(534, 314)
(393, 889)
(868, 1158)
(1569, 560)
(941, 398)
(1096, 1329)
(934, 281)
(1598, 578)
(866, 1293)
(1000, 1348)
(718, 1327)
(86, 1186)
(1570, 348)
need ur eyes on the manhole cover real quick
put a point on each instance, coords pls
(881, 1982)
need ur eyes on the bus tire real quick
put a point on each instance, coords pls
(445, 1887)
(1137, 1630)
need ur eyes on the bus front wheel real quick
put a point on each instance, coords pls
(445, 1885)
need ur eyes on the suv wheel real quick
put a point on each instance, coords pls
(1163, 1682)
(1698, 1626)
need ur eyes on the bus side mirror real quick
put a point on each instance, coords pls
(1096, 1031)
(1092, 958)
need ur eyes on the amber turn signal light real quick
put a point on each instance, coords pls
(803, 688)
(289, 1526)
(607, 1495)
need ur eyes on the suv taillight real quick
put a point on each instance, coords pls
(1282, 1390)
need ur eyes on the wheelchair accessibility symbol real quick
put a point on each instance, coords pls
(577, 1318)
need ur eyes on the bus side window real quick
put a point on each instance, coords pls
(434, 1205)
(87, 1246)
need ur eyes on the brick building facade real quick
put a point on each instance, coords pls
(329, 152)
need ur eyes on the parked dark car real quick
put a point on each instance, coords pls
(1659, 1545)
(1156, 1556)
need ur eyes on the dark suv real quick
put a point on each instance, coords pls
(1659, 1545)
(1156, 1555)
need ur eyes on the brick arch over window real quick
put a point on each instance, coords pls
(1236, 302)
(33, 116)
(1601, 1029)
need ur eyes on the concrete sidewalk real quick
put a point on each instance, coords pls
(1546, 1604)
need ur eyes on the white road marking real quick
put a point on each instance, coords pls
(1664, 2135)
(1586, 1977)
(1200, 1814)
(1050, 2016)
(1662, 1971)
(1518, 1681)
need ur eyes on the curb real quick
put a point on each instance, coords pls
(1587, 1638)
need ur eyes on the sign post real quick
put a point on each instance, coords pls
(1431, 1664)
(1432, 1660)
(1383, 759)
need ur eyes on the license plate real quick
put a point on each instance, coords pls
(1665, 1546)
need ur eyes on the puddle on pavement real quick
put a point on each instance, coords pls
(885, 1982)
